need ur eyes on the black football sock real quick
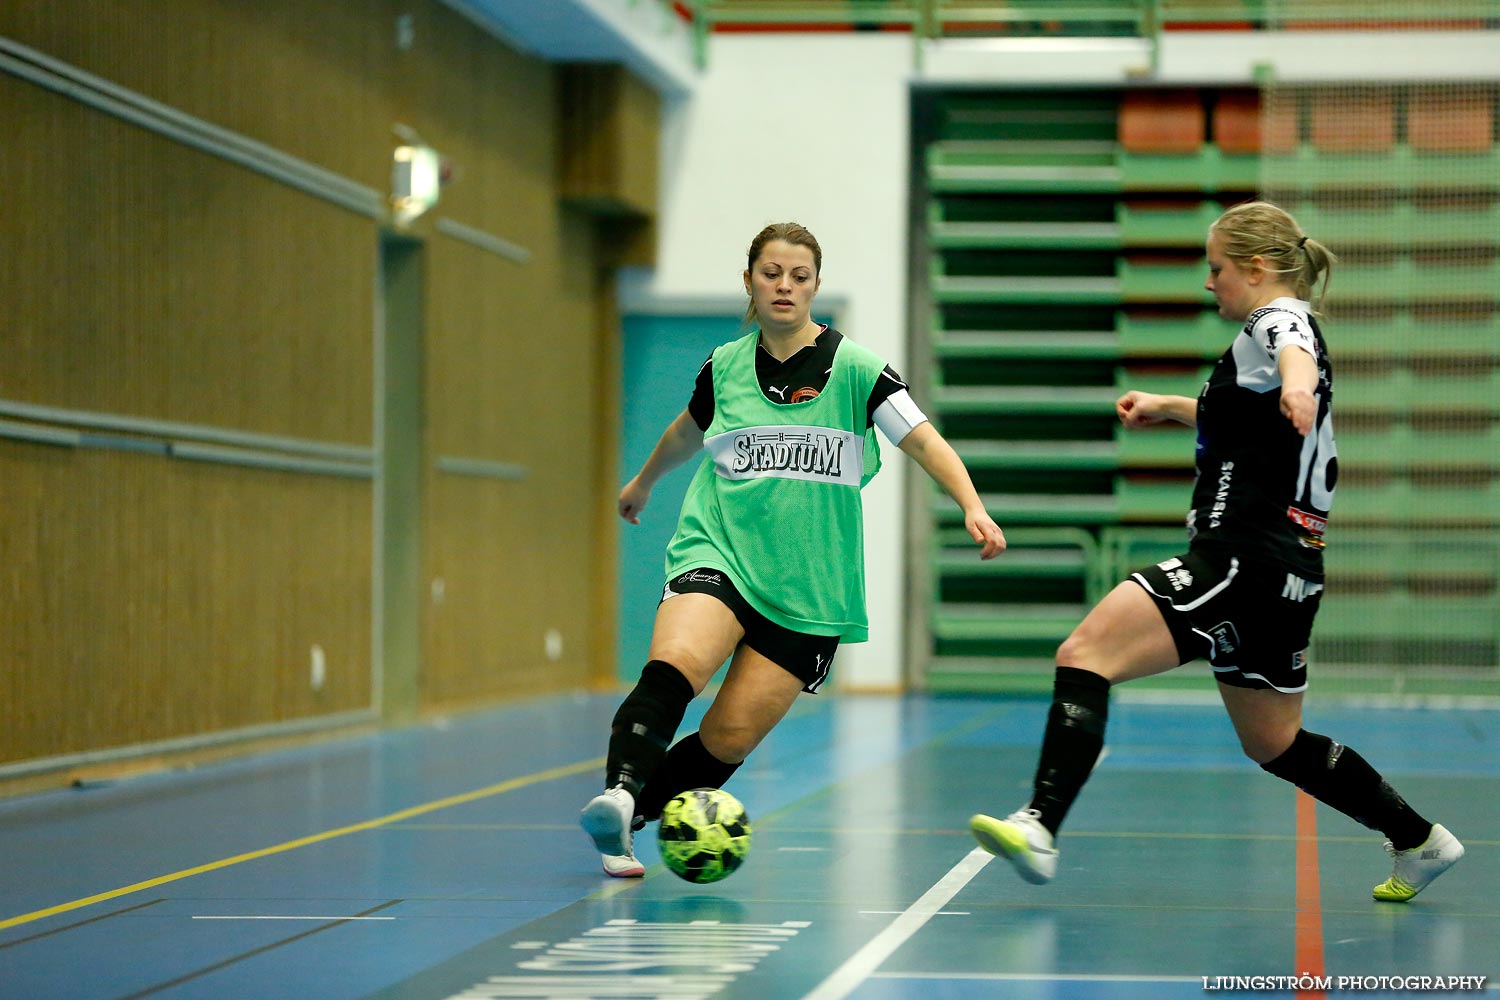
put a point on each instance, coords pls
(1071, 744)
(1339, 777)
(644, 725)
(688, 765)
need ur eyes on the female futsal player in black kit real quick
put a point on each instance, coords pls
(1245, 593)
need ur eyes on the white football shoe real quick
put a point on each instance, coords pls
(607, 820)
(1021, 839)
(1416, 868)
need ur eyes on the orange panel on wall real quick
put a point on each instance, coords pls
(1450, 121)
(1237, 122)
(1162, 121)
(1360, 123)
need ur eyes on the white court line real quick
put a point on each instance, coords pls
(891, 913)
(847, 977)
(262, 917)
(1038, 977)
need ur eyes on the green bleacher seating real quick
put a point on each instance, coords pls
(1159, 282)
(1405, 280)
(1395, 225)
(1429, 562)
(1027, 631)
(1156, 226)
(1209, 170)
(1024, 235)
(1184, 381)
(1200, 334)
(1401, 448)
(1400, 336)
(1405, 617)
(1020, 167)
(1402, 170)
(1170, 446)
(1403, 502)
(1041, 400)
(1403, 391)
(1030, 509)
(1152, 500)
(1126, 549)
(1043, 345)
(1066, 267)
(1100, 456)
(1040, 289)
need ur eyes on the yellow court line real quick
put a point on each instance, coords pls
(369, 824)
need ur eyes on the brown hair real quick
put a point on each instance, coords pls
(1261, 229)
(787, 232)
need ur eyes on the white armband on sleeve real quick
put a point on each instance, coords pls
(1275, 329)
(898, 416)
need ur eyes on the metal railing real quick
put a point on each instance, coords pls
(933, 19)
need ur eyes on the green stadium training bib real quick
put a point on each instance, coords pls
(775, 504)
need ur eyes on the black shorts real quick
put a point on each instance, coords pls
(805, 657)
(1251, 621)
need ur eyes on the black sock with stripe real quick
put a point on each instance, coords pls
(687, 765)
(644, 724)
(1071, 743)
(1339, 777)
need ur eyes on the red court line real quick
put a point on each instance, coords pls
(1309, 946)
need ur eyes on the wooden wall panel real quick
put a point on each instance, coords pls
(512, 367)
(485, 634)
(608, 121)
(491, 113)
(154, 598)
(147, 599)
(309, 78)
(150, 279)
(513, 360)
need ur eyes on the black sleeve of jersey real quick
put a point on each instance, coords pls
(886, 385)
(701, 406)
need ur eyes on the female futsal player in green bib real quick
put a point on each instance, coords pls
(767, 564)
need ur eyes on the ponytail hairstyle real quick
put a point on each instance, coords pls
(787, 232)
(1261, 229)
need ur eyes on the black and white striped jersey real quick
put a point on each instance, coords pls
(804, 375)
(1262, 490)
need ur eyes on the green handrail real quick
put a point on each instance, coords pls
(933, 19)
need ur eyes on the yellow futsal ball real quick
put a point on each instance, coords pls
(704, 834)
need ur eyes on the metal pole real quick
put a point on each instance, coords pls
(701, 29)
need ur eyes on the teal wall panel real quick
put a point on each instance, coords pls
(662, 355)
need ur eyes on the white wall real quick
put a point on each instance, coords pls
(809, 128)
(814, 128)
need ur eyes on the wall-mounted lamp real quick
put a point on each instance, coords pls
(417, 176)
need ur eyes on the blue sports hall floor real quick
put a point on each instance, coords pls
(444, 860)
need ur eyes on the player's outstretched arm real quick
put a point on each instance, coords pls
(938, 459)
(1299, 377)
(679, 442)
(1145, 409)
